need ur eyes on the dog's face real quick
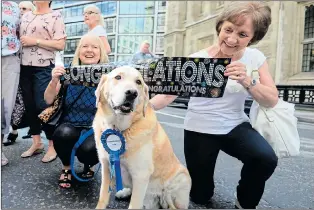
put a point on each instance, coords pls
(124, 90)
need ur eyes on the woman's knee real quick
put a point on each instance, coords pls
(88, 146)
(87, 152)
(266, 161)
(65, 132)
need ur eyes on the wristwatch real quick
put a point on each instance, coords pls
(252, 84)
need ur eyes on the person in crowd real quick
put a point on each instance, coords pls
(19, 108)
(96, 25)
(10, 63)
(42, 33)
(214, 124)
(144, 53)
(26, 6)
(90, 50)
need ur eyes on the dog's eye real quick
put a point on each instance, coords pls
(139, 82)
(118, 77)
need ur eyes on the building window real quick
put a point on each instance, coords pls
(162, 5)
(70, 46)
(112, 43)
(136, 25)
(124, 43)
(67, 60)
(308, 43)
(159, 44)
(110, 24)
(57, 3)
(76, 11)
(161, 22)
(136, 7)
(111, 58)
(76, 29)
(108, 7)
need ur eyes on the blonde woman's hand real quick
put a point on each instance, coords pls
(56, 73)
(236, 71)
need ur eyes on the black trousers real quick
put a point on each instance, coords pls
(33, 82)
(64, 138)
(244, 143)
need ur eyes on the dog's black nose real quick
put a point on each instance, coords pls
(131, 94)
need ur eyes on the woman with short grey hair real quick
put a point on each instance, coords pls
(214, 124)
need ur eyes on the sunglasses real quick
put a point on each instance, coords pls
(89, 13)
(23, 8)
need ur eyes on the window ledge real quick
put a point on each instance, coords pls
(302, 78)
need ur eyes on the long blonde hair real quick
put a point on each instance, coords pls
(93, 8)
(97, 40)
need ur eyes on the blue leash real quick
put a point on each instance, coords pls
(76, 146)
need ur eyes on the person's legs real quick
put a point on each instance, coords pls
(64, 138)
(259, 160)
(26, 84)
(201, 151)
(9, 81)
(42, 77)
(16, 118)
(49, 157)
(87, 154)
(4, 160)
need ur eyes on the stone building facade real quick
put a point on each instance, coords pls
(288, 44)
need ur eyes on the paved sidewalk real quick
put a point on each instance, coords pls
(305, 116)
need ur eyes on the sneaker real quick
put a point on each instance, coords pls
(4, 160)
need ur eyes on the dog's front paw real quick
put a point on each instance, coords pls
(123, 194)
(101, 205)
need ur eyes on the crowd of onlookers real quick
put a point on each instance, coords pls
(32, 36)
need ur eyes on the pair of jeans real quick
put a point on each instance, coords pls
(64, 138)
(33, 82)
(244, 143)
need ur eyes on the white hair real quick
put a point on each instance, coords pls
(93, 8)
(28, 4)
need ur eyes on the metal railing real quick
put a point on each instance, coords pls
(302, 96)
(297, 94)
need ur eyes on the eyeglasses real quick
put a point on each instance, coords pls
(23, 8)
(89, 13)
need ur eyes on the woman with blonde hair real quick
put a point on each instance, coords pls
(214, 124)
(96, 25)
(79, 101)
(26, 6)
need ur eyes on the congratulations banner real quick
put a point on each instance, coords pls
(182, 76)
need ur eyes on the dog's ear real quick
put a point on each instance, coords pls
(146, 98)
(100, 88)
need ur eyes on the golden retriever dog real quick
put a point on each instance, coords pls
(151, 173)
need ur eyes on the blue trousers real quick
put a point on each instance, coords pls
(33, 82)
(244, 143)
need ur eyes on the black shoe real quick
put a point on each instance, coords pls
(10, 140)
(28, 136)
